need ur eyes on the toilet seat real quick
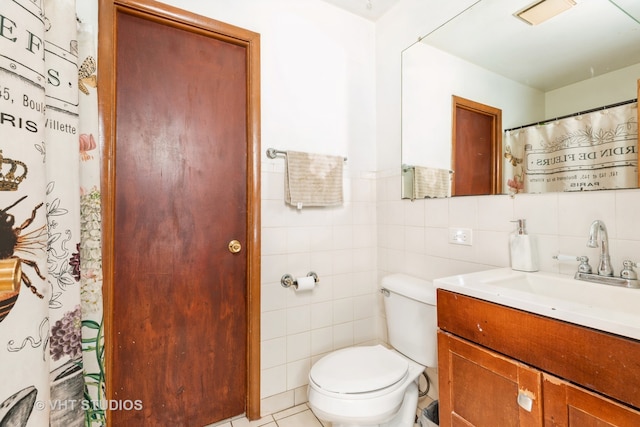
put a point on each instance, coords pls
(368, 385)
(359, 370)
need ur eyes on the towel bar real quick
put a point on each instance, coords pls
(272, 153)
(407, 168)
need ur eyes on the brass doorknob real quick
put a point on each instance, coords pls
(234, 247)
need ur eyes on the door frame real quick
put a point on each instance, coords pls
(189, 21)
(496, 138)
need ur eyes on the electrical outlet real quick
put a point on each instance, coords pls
(461, 236)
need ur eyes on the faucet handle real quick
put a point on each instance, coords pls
(627, 270)
(584, 266)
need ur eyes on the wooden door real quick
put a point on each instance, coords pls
(476, 148)
(567, 405)
(481, 388)
(182, 328)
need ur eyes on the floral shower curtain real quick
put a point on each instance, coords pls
(51, 343)
(593, 151)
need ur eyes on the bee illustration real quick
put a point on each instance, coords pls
(12, 240)
(86, 75)
(513, 160)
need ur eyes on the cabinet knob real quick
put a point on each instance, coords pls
(525, 401)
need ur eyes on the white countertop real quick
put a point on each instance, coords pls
(607, 308)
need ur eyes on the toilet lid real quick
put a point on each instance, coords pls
(359, 369)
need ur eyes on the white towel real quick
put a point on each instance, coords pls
(313, 179)
(431, 182)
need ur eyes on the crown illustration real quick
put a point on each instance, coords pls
(9, 180)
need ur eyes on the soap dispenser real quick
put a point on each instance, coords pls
(524, 253)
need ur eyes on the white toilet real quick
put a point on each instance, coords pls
(373, 386)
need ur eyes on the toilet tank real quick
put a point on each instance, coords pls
(410, 306)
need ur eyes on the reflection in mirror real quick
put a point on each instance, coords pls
(594, 150)
(476, 148)
(585, 58)
(419, 182)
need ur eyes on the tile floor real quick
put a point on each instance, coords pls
(298, 416)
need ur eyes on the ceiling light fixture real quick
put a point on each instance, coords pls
(544, 10)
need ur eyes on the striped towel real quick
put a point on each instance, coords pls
(313, 180)
(431, 182)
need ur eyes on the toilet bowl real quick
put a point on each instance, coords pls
(374, 385)
(363, 386)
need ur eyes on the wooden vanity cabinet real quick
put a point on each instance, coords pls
(479, 387)
(490, 377)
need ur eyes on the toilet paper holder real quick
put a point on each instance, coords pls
(287, 280)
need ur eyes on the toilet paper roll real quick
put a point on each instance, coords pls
(305, 283)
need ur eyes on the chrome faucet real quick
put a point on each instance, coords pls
(598, 231)
(598, 237)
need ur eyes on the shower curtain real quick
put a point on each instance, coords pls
(592, 151)
(51, 343)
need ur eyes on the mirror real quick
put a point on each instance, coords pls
(584, 58)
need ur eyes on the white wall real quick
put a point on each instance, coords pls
(616, 86)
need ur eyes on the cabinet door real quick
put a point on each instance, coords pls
(482, 388)
(569, 406)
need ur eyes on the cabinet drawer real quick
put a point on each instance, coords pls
(602, 362)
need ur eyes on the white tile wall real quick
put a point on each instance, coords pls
(559, 221)
(376, 233)
(339, 244)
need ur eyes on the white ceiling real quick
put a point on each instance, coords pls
(590, 39)
(370, 9)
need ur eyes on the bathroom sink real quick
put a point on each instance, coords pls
(559, 289)
(607, 308)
